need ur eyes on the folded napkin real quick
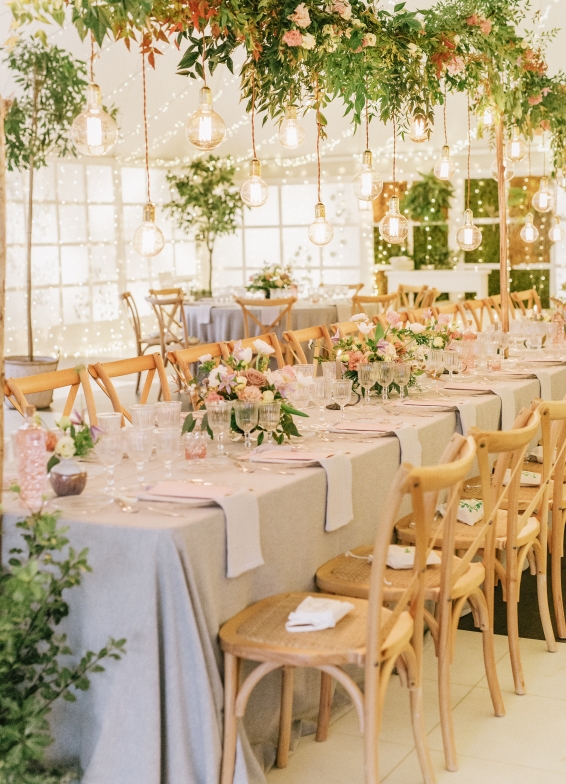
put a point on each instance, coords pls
(545, 385)
(504, 392)
(467, 416)
(338, 469)
(408, 435)
(528, 478)
(241, 512)
(537, 454)
(401, 557)
(316, 613)
(470, 510)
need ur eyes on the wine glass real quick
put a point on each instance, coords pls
(435, 362)
(342, 392)
(329, 370)
(269, 417)
(109, 449)
(451, 360)
(365, 378)
(219, 415)
(139, 446)
(247, 414)
(143, 415)
(109, 421)
(169, 413)
(167, 443)
(402, 376)
(385, 378)
(322, 396)
(300, 396)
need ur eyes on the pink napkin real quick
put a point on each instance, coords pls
(185, 490)
(280, 455)
(362, 425)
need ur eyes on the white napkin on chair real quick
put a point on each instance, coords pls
(316, 613)
(403, 557)
(470, 510)
(545, 385)
(528, 478)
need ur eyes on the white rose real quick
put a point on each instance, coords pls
(205, 358)
(262, 348)
(365, 327)
(309, 41)
(416, 329)
(268, 396)
(65, 447)
(438, 342)
(241, 380)
(64, 423)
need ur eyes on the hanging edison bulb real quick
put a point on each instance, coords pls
(254, 191)
(543, 200)
(419, 131)
(529, 232)
(367, 183)
(444, 168)
(291, 134)
(205, 129)
(516, 147)
(148, 239)
(508, 170)
(320, 230)
(93, 131)
(488, 117)
(556, 233)
(468, 236)
(394, 227)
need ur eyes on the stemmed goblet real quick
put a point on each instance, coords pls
(385, 378)
(168, 442)
(365, 377)
(269, 417)
(109, 449)
(402, 376)
(342, 392)
(219, 414)
(139, 446)
(322, 396)
(247, 414)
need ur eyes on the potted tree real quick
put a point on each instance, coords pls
(51, 92)
(208, 203)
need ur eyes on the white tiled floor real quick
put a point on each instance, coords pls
(527, 746)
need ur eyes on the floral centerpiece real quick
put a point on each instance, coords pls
(240, 377)
(78, 439)
(271, 278)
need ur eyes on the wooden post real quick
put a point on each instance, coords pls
(4, 106)
(502, 193)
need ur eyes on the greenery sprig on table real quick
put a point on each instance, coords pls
(35, 670)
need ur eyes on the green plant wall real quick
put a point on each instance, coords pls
(430, 246)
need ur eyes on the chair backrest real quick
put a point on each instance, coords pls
(408, 295)
(419, 316)
(427, 298)
(319, 337)
(476, 308)
(173, 291)
(526, 300)
(355, 287)
(495, 303)
(181, 359)
(170, 312)
(281, 310)
(344, 328)
(133, 317)
(423, 485)
(16, 389)
(455, 309)
(104, 372)
(382, 303)
(270, 338)
(553, 422)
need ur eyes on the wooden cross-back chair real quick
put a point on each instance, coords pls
(449, 584)
(343, 328)
(169, 309)
(16, 389)
(355, 287)
(371, 635)
(526, 300)
(420, 316)
(318, 337)
(495, 303)
(476, 308)
(381, 302)
(454, 309)
(143, 342)
(282, 309)
(416, 297)
(270, 338)
(104, 372)
(519, 531)
(428, 298)
(181, 359)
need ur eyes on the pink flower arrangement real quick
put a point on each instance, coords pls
(357, 358)
(293, 38)
(254, 377)
(300, 16)
(393, 318)
(473, 20)
(214, 397)
(534, 100)
(485, 26)
(250, 394)
(342, 8)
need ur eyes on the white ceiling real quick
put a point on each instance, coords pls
(171, 98)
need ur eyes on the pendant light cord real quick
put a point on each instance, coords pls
(253, 115)
(92, 58)
(145, 128)
(445, 131)
(203, 58)
(318, 127)
(469, 148)
(394, 154)
(367, 127)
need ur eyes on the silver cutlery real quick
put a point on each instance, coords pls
(125, 507)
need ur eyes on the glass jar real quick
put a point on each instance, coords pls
(31, 440)
(195, 444)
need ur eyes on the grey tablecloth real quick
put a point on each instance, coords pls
(225, 322)
(156, 716)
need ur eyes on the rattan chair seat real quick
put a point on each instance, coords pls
(258, 633)
(526, 493)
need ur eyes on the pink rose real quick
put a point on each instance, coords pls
(456, 65)
(288, 374)
(444, 319)
(485, 26)
(473, 20)
(213, 397)
(356, 358)
(293, 38)
(255, 378)
(393, 318)
(300, 16)
(250, 394)
(343, 8)
(534, 100)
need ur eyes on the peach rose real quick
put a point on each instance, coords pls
(293, 38)
(300, 16)
(473, 20)
(250, 394)
(51, 441)
(534, 100)
(255, 378)
(214, 397)
(485, 26)
(356, 358)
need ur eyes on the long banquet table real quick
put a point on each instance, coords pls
(155, 717)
